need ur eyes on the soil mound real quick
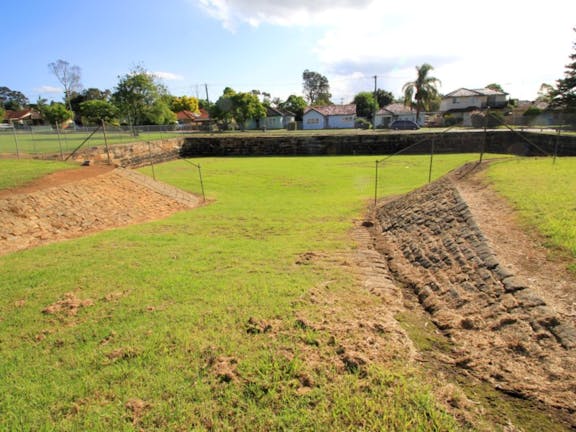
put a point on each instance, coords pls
(503, 331)
(38, 215)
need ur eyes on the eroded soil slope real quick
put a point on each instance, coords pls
(510, 325)
(78, 202)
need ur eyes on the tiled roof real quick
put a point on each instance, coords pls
(396, 109)
(11, 115)
(464, 92)
(331, 110)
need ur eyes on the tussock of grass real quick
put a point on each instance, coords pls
(161, 341)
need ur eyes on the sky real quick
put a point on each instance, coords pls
(198, 47)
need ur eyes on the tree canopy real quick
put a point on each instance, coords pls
(384, 97)
(56, 113)
(422, 91)
(184, 103)
(69, 76)
(294, 104)
(316, 88)
(496, 87)
(239, 107)
(564, 96)
(96, 111)
(366, 105)
(139, 96)
(12, 99)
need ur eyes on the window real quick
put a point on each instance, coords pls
(312, 121)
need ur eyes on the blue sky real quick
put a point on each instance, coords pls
(266, 45)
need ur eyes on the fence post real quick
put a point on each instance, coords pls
(431, 159)
(201, 183)
(16, 141)
(59, 141)
(151, 160)
(106, 142)
(376, 186)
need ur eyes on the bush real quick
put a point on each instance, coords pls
(451, 120)
(362, 123)
(532, 111)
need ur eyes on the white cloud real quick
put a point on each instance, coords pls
(46, 89)
(277, 12)
(168, 76)
(516, 44)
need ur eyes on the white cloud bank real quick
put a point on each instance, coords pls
(168, 76)
(518, 45)
(46, 89)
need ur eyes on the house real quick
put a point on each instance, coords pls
(193, 120)
(329, 117)
(275, 119)
(26, 117)
(397, 111)
(460, 103)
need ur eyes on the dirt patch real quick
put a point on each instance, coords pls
(507, 325)
(69, 305)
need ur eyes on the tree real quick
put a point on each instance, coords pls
(88, 95)
(419, 93)
(239, 107)
(384, 98)
(247, 106)
(69, 77)
(2, 113)
(564, 97)
(495, 87)
(223, 108)
(296, 105)
(138, 96)
(545, 94)
(56, 113)
(366, 105)
(184, 103)
(12, 99)
(98, 111)
(316, 88)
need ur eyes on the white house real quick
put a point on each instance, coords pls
(275, 119)
(397, 111)
(329, 117)
(468, 100)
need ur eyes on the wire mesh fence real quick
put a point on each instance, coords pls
(45, 140)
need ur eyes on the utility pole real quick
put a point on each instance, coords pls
(375, 100)
(207, 98)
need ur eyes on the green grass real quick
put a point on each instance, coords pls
(170, 302)
(18, 172)
(543, 194)
(51, 142)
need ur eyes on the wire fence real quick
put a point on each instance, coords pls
(42, 141)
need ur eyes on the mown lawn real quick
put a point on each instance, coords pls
(544, 193)
(153, 330)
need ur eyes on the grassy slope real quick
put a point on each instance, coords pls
(544, 194)
(19, 172)
(170, 301)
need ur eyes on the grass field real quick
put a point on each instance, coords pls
(545, 195)
(159, 306)
(154, 334)
(52, 143)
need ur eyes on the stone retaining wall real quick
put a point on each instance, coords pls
(502, 331)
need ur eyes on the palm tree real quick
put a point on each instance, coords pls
(419, 93)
